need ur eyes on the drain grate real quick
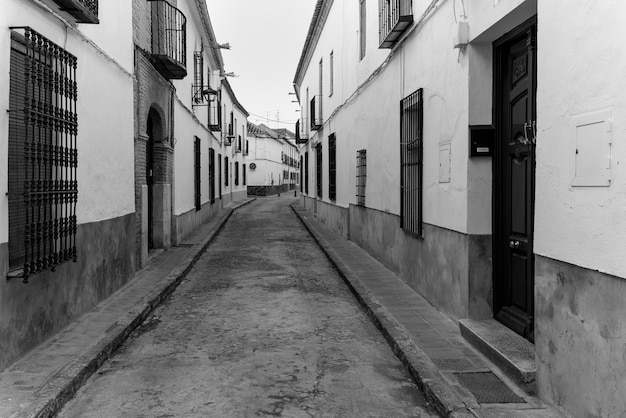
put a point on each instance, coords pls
(488, 388)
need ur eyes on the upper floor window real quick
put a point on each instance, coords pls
(362, 28)
(84, 11)
(395, 16)
(42, 154)
(332, 75)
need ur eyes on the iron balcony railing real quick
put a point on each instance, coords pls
(316, 113)
(395, 17)
(84, 11)
(169, 40)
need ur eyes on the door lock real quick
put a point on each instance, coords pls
(514, 244)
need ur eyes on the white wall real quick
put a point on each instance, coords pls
(105, 104)
(265, 153)
(580, 71)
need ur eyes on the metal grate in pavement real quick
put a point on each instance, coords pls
(488, 388)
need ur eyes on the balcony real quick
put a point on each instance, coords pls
(395, 17)
(230, 135)
(169, 39)
(302, 136)
(84, 11)
(316, 113)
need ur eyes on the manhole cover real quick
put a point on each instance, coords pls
(488, 388)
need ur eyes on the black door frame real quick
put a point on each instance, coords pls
(498, 206)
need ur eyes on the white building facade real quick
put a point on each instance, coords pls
(473, 147)
(67, 223)
(272, 159)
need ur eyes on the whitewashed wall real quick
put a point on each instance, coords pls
(105, 104)
(580, 72)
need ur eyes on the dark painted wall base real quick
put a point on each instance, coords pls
(32, 312)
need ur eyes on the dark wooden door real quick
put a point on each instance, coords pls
(514, 178)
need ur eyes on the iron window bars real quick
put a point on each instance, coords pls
(243, 172)
(219, 175)
(332, 167)
(236, 173)
(301, 174)
(361, 176)
(45, 155)
(316, 113)
(196, 173)
(302, 134)
(212, 175)
(395, 16)
(197, 88)
(84, 11)
(411, 157)
(306, 172)
(318, 164)
(225, 171)
(169, 40)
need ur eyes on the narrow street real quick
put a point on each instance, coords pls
(262, 326)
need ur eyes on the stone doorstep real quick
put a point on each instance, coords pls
(512, 353)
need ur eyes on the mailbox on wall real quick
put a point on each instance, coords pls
(481, 140)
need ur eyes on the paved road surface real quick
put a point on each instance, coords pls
(262, 326)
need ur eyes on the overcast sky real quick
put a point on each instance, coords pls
(266, 38)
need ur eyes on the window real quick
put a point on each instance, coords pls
(332, 167)
(196, 172)
(332, 76)
(236, 173)
(395, 17)
(219, 175)
(239, 144)
(411, 150)
(42, 154)
(362, 29)
(198, 78)
(361, 176)
(318, 164)
(301, 174)
(247, 147)
(225, 171)
(243, 172)
(321, 88)
(212, 175)
(306, 172)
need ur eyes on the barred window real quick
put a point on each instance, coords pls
(43, 157)
(306, 172)
(219, 171)
(361, 176)
(196, 173)
(318, 163)
(301, 176)
(243, 172)
(236, 173)
(225, 171)
(411, 151)
(332, 167)
(212, 175)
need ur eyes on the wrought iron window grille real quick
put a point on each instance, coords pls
(332, 167)
(361, 176)
(411, 162)
(316, 113)
(318, 164)
(44, 202)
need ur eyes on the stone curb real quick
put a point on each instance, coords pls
(423, 371)
(63, 385)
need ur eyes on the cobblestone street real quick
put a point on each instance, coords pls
(262, 326)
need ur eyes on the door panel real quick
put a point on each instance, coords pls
(514, 179)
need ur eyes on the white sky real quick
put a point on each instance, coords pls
(266, 39)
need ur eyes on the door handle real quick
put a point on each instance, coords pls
(514, 244)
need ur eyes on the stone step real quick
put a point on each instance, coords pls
(512, 353)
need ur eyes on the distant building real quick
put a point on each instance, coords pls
(273, 160)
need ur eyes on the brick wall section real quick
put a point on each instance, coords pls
(152, 94)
